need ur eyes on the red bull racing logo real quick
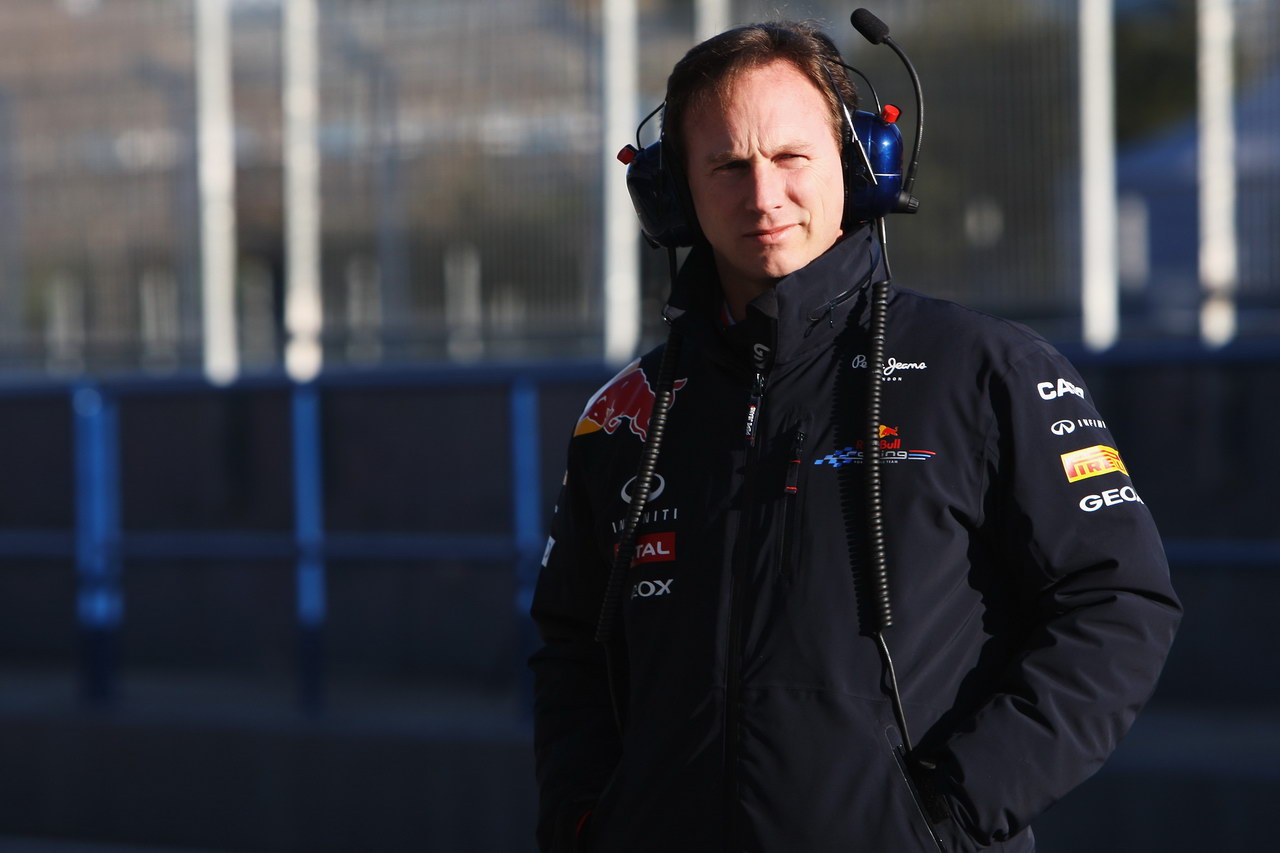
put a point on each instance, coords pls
(891, 450)
(626, 396)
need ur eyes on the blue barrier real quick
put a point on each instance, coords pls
(99, 545)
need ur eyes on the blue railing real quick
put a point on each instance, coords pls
(100, 546)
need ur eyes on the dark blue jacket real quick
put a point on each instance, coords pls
(1032, 608)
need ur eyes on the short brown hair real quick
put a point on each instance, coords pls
(708, 71)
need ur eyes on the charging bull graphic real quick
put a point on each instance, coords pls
(627, 395)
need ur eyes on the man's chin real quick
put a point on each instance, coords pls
(781, 267)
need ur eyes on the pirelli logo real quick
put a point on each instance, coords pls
(1092, 462)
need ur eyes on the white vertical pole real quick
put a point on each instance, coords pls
(621, 230)
(710, 17)
(1217, 172)
(216, 177)
(303, 314)
(1100, 269)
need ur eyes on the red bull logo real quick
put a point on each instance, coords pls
(626, 396)
(890, 439)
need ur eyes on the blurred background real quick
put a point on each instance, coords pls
(299, 300)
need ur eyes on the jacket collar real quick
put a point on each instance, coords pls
(803, 312)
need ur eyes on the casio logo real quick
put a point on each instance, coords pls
(1054, 390)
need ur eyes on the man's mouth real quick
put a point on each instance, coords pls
(770, 235)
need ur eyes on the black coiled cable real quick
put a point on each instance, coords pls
(642, 489)
(877, 568)
(878, 563)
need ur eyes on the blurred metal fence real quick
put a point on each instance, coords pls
(461, 172)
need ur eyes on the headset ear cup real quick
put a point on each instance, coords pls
(851, 170)
(678, 182)
(875, 193)
(661, 199)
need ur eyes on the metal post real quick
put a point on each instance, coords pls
(99, 606)
(308, 503)
(13, 290)
(1217, 172)
(710, 17)
(621, 232)
(1100, 267)
(217, 178)
(303, 311)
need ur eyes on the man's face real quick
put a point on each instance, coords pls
(764, 173)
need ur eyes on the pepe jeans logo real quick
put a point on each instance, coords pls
(892, 370)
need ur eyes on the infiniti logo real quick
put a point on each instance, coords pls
(653, 495)
(1066, 426)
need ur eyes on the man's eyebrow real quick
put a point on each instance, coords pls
(719, 158)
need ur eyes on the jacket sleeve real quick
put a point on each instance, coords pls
(576, 742)
(1080, 546)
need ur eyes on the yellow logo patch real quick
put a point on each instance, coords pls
(1092, 462)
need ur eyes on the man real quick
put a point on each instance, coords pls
(1032, 609)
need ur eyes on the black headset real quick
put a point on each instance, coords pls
(871, 158)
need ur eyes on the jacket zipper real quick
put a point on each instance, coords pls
(753, 409)
(733, 664)
(790, 490)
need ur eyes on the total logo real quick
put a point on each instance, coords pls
(1066, 427)
(651, 589)
(892, 370)
(653, 548)
(1061, 388)
(1111, 497)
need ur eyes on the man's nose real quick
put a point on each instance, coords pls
(766, 187)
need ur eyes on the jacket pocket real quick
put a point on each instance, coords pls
(920, 815)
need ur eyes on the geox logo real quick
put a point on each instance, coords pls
(651, 589)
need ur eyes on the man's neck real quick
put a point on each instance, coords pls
(739, 292)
